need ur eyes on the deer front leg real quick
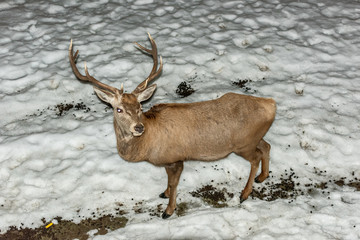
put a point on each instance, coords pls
(173, 171)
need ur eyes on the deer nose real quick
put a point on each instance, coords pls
(139, 128)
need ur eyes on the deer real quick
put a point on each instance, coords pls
(168, 134)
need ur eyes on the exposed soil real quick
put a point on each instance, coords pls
(286, 186)
(184, 89)
(289, 188)
(62, 108)
(138, 208)
(241, 83)
(156, 212)
(352, 183)
(65, 229)
(213, 196)
(182, 208)
(244, 85)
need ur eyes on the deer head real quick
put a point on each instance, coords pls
(126, 106)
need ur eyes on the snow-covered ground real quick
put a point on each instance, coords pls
(61, 161)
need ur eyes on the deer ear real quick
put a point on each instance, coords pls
(104, 95)
(146, 94)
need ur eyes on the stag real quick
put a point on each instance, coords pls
(171, 133)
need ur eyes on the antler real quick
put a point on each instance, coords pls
(88, 77)
(154, 73)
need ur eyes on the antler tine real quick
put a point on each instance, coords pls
(88, 77)
(154, 73)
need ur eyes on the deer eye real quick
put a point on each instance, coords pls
(119, 110)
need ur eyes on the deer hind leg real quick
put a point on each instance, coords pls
(265, 149)
(254, 159)
(173, 171)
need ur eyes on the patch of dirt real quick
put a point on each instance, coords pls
(289, 188)
(82, 106)
(66, 229)
(285, 189)
(213, 196)
(140, 208)
(286, 186)
(182, 208)
(242, 83)
(355, 183)
(62, 108)
(184, 89)
(156, 212)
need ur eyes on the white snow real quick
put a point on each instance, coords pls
(304, 54)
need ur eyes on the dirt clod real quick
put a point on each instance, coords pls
(62, 108)
(184, 89)
(242, 83)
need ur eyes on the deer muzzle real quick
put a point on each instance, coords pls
(138, 129)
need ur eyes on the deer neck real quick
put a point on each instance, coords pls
(127, 144)
(121, 133)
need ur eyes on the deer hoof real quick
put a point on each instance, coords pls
(162, 195)
(165, 215)
(260, 178)
(242, 200)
